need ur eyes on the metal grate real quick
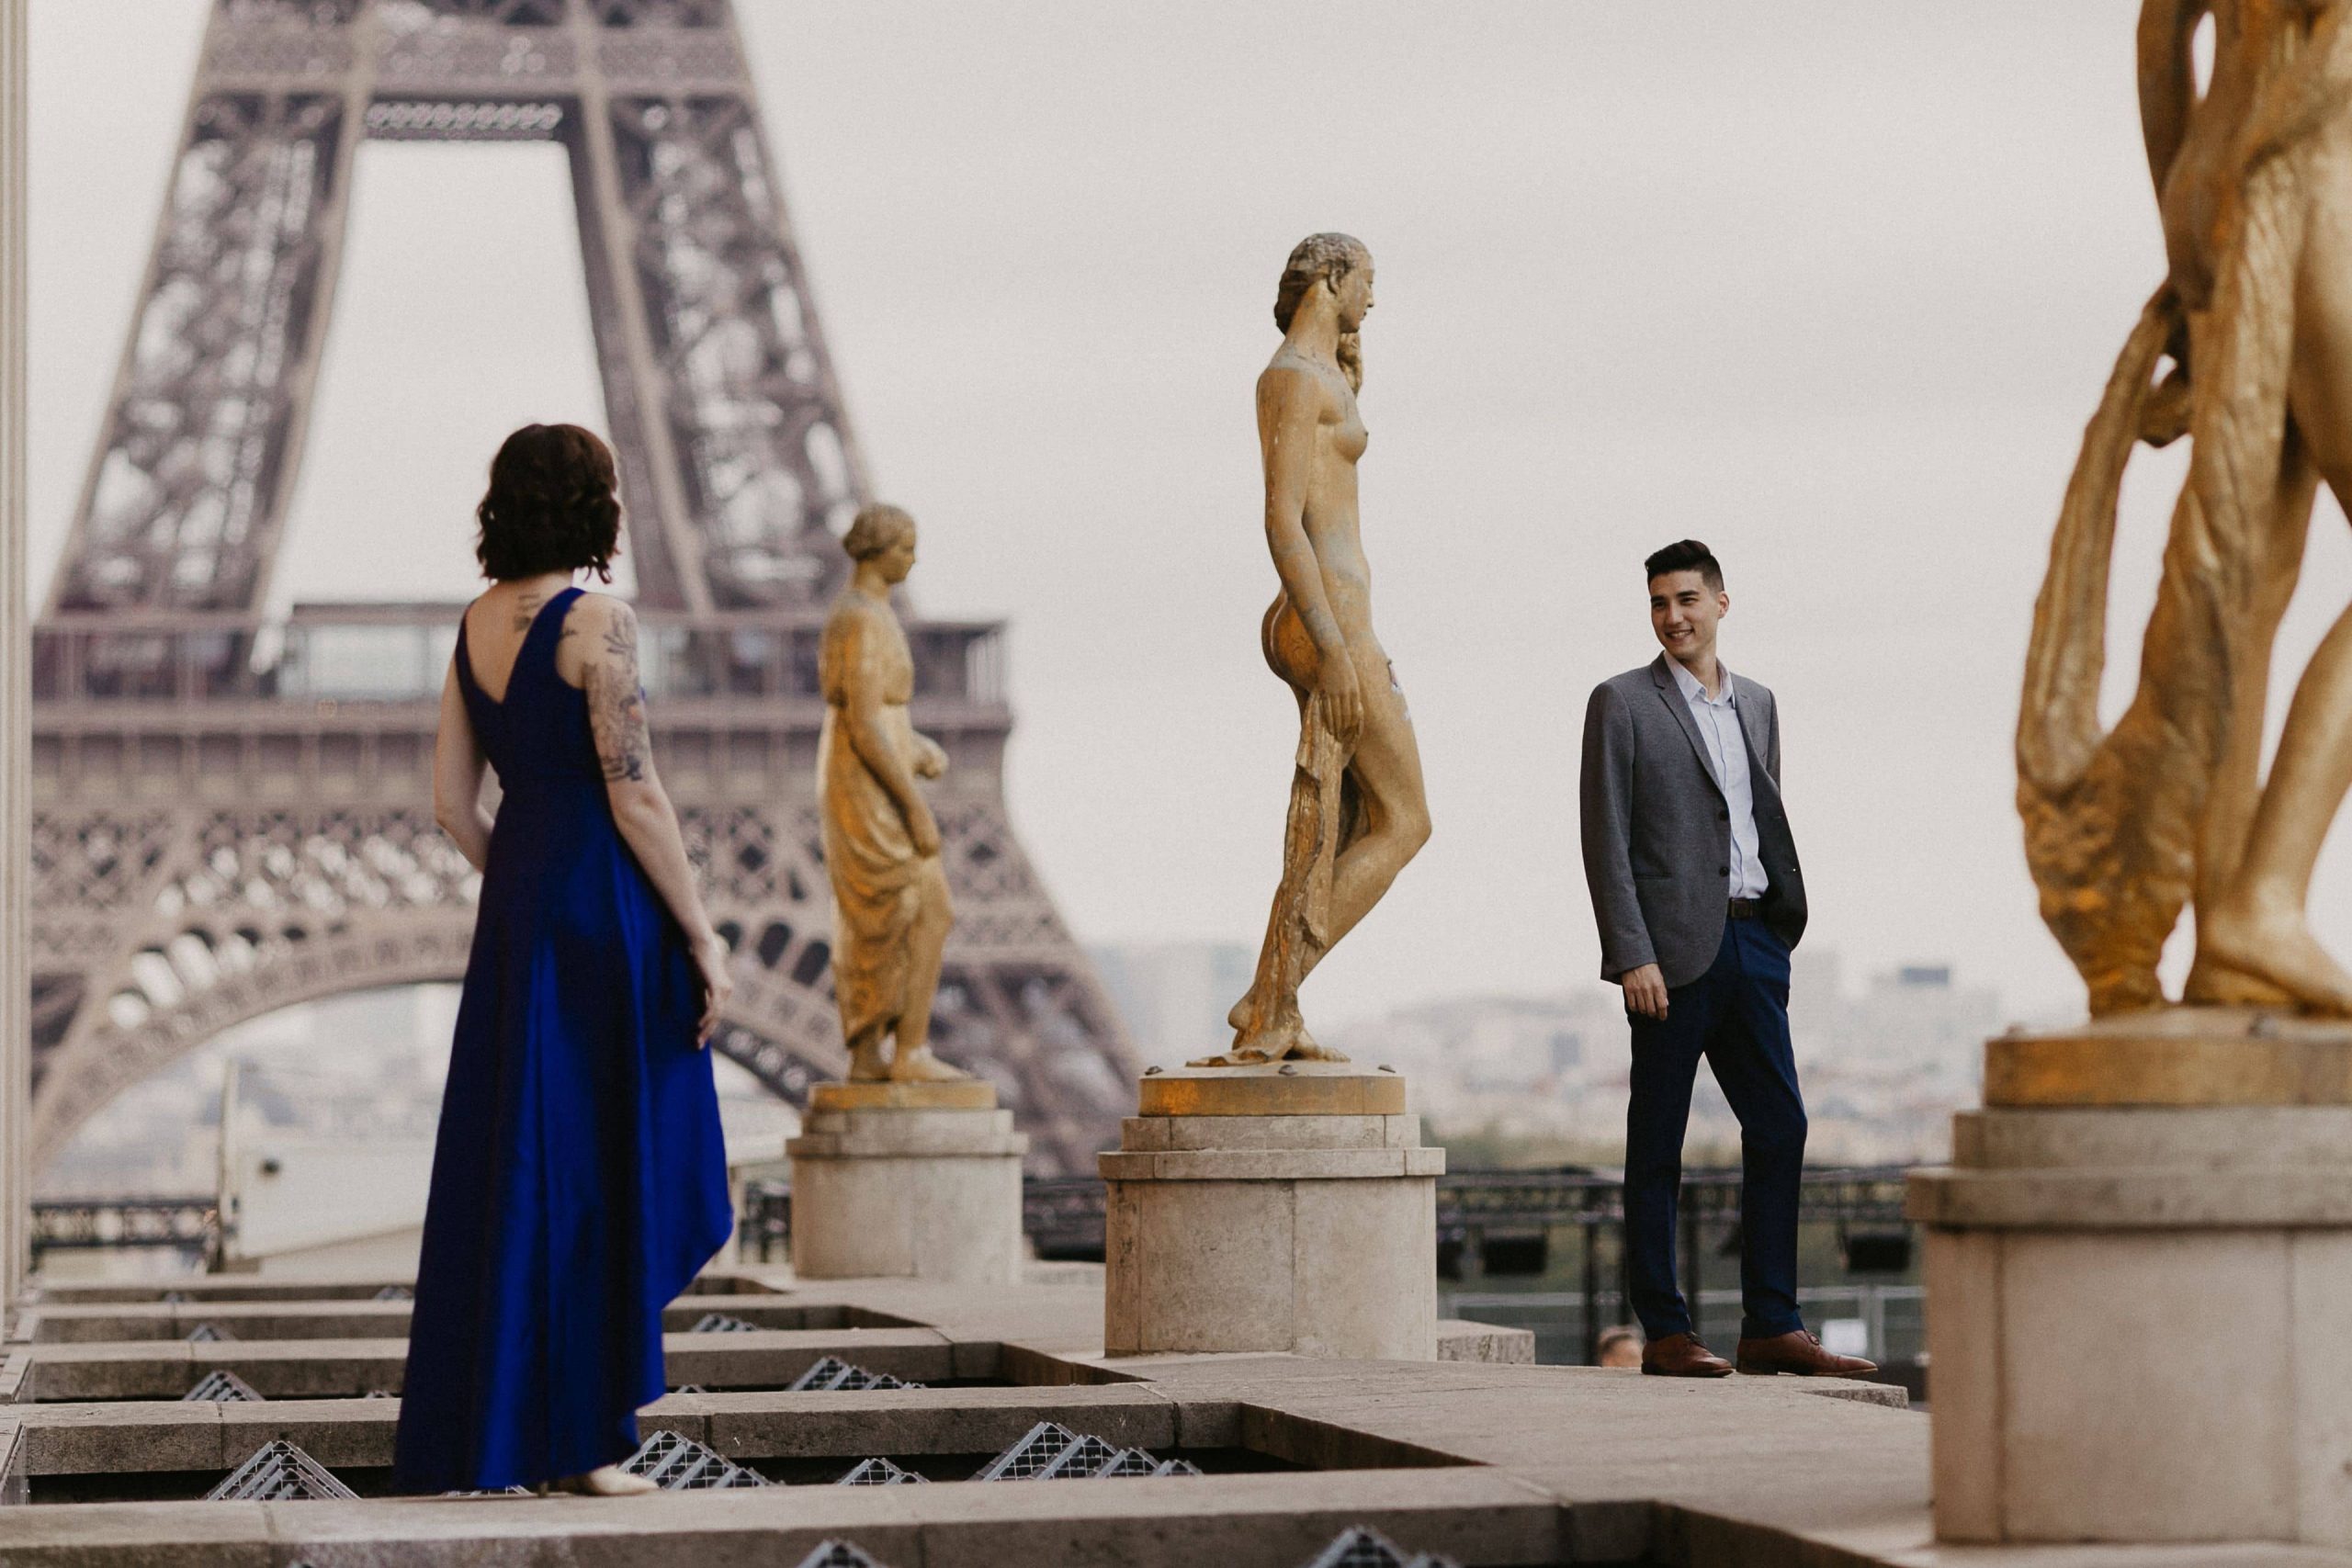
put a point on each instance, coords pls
(395, 1293)
(1027, 1458)
(678, 1464)
(1049, 1452)
(1361, 1548)
(827, 1374)
(1082, 1460)
(220, 1387)
(879, 1472)
(832, 1373)
(208, 1334)
(719, 1323)
(173, 1298)
(279, 1472)
(494, 1492)
(838, 1554)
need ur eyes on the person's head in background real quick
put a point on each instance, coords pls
(1619, 1346)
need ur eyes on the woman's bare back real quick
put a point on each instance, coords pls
(498, 621)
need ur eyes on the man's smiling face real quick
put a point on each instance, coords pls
(1684, 612)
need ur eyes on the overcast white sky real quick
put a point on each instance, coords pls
(1831, 283)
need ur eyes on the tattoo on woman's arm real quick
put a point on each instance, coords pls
(617, 704)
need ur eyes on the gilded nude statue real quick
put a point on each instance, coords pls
(1357, 809)
(891, 912)
(2254, 181)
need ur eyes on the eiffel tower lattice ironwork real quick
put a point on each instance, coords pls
(231, 812)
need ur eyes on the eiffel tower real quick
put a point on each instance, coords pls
(232, 813)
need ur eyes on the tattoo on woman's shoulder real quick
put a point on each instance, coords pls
(620, 635)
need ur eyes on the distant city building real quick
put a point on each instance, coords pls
(1174, 995)
(1883, 1069)
(1921, 1016)
(1523, 1066)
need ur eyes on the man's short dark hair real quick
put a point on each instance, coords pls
(1686, 555)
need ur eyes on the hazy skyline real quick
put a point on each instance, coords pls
(1831, 285)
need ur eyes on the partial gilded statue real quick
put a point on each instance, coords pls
(2253, 181)
(1357, 809)
(891, 912)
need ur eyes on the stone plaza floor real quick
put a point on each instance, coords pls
(1477, 1457)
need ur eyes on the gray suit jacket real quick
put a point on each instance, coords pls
(1657, 830)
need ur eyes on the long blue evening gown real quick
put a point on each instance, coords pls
(579, 1179)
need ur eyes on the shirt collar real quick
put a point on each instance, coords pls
(1687, 683)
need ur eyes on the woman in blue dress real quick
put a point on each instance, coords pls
(579, 1179)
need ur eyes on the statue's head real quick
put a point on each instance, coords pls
(553, 505)
(1341, 266)
(885, 534)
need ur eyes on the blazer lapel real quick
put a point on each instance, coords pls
(1761, 785)
(1751, 724)
(1671, 695)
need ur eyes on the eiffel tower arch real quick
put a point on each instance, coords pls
(232, 810)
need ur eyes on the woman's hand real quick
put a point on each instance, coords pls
(924, 829)
(713, 962)
(1342, 696)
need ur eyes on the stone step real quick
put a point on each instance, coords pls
(348, 1369)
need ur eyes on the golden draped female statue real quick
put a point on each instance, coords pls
(892, 913)
(2254, 179)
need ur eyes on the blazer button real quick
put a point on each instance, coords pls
(1723, 814)
(1722, 871)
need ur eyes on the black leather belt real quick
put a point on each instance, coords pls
(1745, 908)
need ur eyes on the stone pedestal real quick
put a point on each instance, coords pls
(2140, 1286)
(1273, 1209)
(916, 1180)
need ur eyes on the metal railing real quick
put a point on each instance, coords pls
(1066, 1212)
(1487, 1217)
(1502, 1221)
(1489, 1222)
(764, 1222)
(189, 1225)
(1890, 1315)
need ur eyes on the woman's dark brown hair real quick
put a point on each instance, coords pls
(551, 505)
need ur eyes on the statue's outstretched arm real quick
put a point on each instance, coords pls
(2167, 79)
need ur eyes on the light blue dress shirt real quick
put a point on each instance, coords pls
(1718, 721)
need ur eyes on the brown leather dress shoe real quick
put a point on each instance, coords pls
(1681, 1356)
(1799, 1354)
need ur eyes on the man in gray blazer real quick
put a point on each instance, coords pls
(1695, 885)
